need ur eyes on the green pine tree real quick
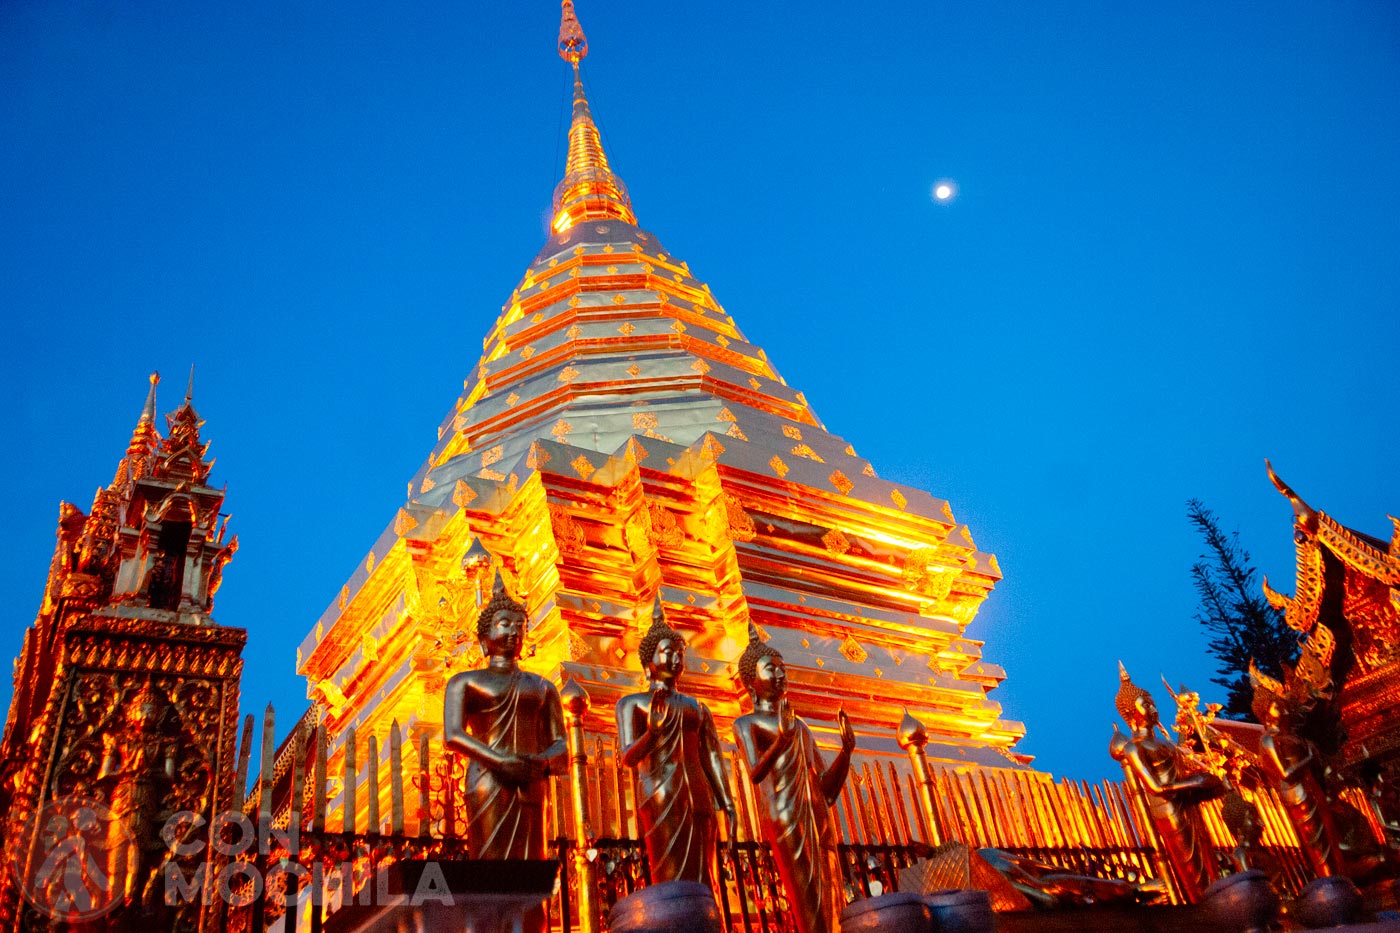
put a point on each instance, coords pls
(1242, 624)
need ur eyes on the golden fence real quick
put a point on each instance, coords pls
(406, 800)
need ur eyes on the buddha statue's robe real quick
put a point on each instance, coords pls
(506, 820)
(1174, 808)
(1290, 762)
(675, 801)
(797, 824)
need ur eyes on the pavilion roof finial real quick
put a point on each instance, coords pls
(589, 189)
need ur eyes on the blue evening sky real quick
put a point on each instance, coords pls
(1173, 253)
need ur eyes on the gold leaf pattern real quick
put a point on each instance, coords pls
(568, 375)
(736, 432)
(852, 651)
(711, 448)
(725, 415)
(493, 455)
(626, 329)
(568, 533)
(582, 467)
(634, 370)
(928, 573)
(792, 432)
(578, 648)
(526, 352)
(778, 466)
(835, 542)
(427, 484)
(741, 526)
(619, 298)
(573, 332)
(511, 399)
(404, 523)
(898, 498)
(665, 531)
(841, 481)
(561, 430)
(869, 469)
(700, 366)
(802, 450)
(643, 419)
(722, 340)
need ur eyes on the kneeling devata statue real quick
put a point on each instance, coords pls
(510, 725)
(1173, 798)
(795, 787)
(669, 739)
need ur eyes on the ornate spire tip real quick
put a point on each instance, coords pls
(573, 44)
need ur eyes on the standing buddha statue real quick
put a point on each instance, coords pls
(669, 740)
(509, 724)
(1292, 765)
(1155, 764)
(796, 788)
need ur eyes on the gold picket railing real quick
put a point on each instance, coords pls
(410, 802)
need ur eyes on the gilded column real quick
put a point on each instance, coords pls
(912, 738)
(575, 705)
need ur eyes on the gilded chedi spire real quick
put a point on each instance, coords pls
(589, 189)
(144, 440)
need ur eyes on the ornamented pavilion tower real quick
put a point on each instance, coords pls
(619, 439)
(126, 692)
(1346, 607)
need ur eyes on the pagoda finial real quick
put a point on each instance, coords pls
(589, 190)
(573, 44)
(189, 389)
(140, 450)
(148, 413)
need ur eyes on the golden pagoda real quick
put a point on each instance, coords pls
(620, 438)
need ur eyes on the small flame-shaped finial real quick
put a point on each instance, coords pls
(911, 732)
(573, 44)
(148, 411)
(574, 697)
(755, 636)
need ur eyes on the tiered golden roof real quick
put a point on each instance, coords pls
(619, 438)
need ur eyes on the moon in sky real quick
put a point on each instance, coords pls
(943, 191)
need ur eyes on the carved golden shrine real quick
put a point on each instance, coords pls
(126, 692)
(620, 437)
(1346, 607)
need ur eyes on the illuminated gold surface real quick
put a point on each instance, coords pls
(643, 446)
